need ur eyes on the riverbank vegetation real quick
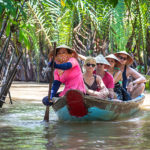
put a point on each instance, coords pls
(29, 28)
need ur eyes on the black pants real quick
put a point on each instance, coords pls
(122, 93)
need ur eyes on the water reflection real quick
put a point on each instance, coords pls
(21, 127)
(103, 135)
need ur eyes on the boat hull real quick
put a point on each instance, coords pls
(98, 109)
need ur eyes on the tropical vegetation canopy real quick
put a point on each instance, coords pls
(28, 29)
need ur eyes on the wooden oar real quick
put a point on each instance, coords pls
(46, 117)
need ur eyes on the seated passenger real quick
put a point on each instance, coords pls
(93, 82)
(136, 87)
(114, 68)
(107, 78)
(67, 71)
(117, 74)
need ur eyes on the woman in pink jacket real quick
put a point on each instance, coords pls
(67, 71)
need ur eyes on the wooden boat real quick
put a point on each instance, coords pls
(75, 106)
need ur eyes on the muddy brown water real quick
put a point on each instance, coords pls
(22, 126)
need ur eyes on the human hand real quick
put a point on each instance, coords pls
(101, 95)
(51, 63)
(46, 101)
(130, 87)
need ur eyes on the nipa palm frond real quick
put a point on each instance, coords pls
(45, 15)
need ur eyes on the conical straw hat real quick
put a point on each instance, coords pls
(66, 47)
(101, 60)
(129, 60)
(117, 62)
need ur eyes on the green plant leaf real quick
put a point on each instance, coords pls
(8, 29)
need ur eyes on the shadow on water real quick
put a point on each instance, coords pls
(22, 128)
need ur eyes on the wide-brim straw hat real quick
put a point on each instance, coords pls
(66, 47)
(100, 59)
(117, 62)
(129, 60)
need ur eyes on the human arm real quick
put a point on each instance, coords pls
(82, 57)
(103, 93)
(91, 92)
(111, 93)
(64, 66)
(55, 87)
(98, 94)
(117, 77)
(137, 76)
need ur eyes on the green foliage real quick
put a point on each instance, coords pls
(143, 21)
(140, 69)
(79, 23)
(39, 19)
(128, 2)
(23, 38)
(113, 2)
(147, 85)
(118, 24)
(11, 7)
(8, 29)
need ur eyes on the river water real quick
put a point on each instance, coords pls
(22, 127)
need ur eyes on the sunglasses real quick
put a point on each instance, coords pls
(99, 64)
(122, 58)
(92, 65)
